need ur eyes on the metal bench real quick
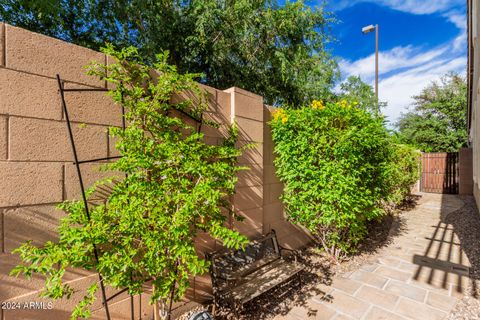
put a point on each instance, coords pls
(241, 275)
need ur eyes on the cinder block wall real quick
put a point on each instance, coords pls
(289, 235)
(36, 170)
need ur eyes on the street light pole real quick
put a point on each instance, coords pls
(366, 30)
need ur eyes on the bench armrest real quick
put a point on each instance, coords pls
(294, 252)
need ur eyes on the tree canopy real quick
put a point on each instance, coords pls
(277, 51)
(356, 91)
(437, 122)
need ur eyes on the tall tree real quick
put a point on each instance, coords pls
(277, 51)
(437, 122)
(356, 91)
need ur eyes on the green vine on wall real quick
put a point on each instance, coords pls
(171, 187)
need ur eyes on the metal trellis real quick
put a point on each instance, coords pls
(78, 164)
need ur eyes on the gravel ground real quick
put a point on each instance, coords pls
(466, 223)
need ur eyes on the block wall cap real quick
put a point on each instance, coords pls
(244, 92)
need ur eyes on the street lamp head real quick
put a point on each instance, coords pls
(368, 29)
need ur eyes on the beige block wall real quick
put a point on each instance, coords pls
(289, 235)
(36, 170)
(35, 153)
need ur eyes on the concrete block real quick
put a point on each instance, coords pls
(92, 107)
(249, 130)
(252, 155)
(273, 211)
(268, 143)
(272, 193)
(30, 183)
(23, 94)
(91, 172)
(250, 177)
(3, 138)
(2, 44)
(36, 139)
(224, 105)
(63, 308)
(2, 232)
(37, 223)
(283, 228)
(112, 149)
(212, 141)
(121, 309)
(204, 243)
(109, 61)
(182, 96)
(12, 288)
(248, 105)
(270, 176)
(35, 53)
(246, 198)
(267, 113)
(210, 131)
(252, 225)
(297, 240)
(202, 288)
(211, 97)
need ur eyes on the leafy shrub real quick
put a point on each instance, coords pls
(405, 173)
(336, 162)
(174, 186)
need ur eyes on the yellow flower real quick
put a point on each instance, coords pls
(317, 104)
(277, 113)
(284, 119)
(345, 104)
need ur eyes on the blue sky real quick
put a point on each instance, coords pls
(420, 40)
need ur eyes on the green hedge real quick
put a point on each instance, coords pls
(406, 171)
(339, 166)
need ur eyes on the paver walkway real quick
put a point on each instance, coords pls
(420, 275)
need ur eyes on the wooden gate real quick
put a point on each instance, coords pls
(439, 172)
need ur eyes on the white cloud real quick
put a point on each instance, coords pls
(460, 21)
(405, 70)
(394, 59)
(399, 88)
(411, 6)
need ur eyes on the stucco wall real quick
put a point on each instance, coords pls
(36, 170)
(474, 134)
(465, 180)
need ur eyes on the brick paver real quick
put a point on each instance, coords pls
(421, 274)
